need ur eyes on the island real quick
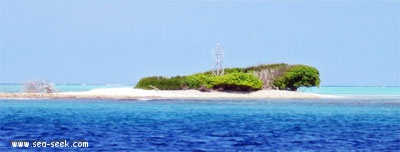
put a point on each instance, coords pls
(256, 82)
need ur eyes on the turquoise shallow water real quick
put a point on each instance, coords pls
(205, 125)
(355, 91)
(16, 88)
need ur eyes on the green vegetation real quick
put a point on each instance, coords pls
(267, 73)
(237, 82)
(298, 76)
(281, 76)
(162, 83)
(229, 82)
(266, 66)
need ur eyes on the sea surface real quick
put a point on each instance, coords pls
(343, 124)
(19, 88)
(356, 91)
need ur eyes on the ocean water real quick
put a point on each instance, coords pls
(366, 120)
(355, 90)
(204, 125)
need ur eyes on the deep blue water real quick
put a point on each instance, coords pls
(185, 125)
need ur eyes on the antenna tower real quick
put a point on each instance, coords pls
(218, 60)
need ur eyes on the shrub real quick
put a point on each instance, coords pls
(233, 70)
(226, 71)
(237, 82)
(162, 83)
(199, 80)
(192, 82)
(229, 82)
(298, 76)
(267, 73)
(266, 66)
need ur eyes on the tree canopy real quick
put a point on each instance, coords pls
(298, 76)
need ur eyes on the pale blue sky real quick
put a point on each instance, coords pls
(352, 43)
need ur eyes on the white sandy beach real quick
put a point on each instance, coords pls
(130, 93)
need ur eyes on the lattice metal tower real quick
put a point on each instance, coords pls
(218, 60)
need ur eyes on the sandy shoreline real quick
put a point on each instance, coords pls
(130, 93)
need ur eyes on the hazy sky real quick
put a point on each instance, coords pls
(90, 41)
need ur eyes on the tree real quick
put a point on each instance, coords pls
(267, 73)
(298, 76)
